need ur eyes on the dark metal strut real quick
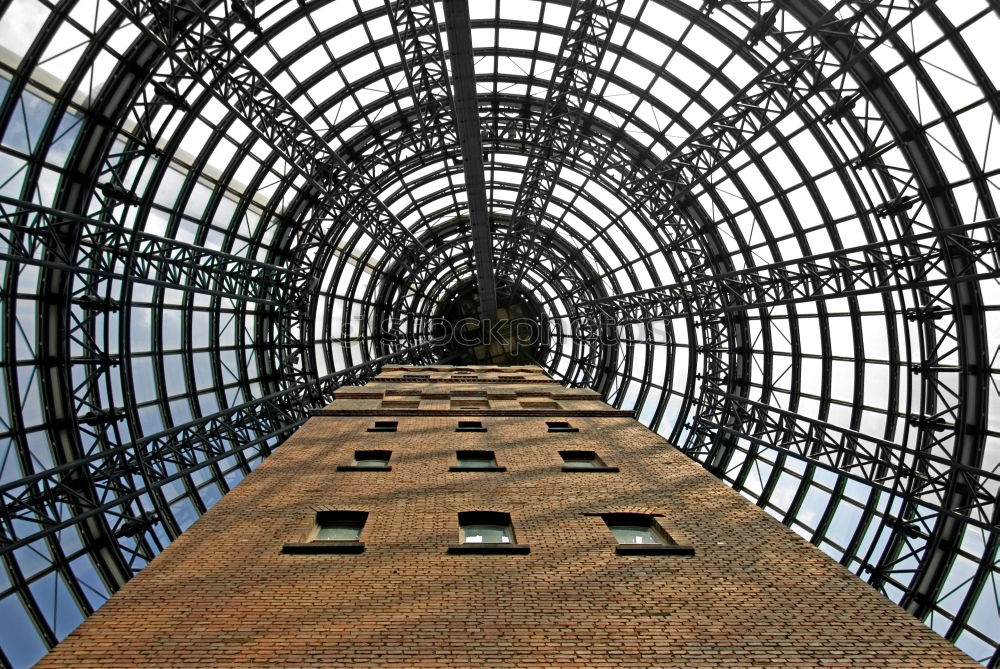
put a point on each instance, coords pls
(463, 78)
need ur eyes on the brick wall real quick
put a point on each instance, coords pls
(754, 593)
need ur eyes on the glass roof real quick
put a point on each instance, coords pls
(769, 228)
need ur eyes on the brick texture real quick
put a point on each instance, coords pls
(753, 595)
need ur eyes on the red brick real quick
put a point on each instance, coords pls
(754, 594)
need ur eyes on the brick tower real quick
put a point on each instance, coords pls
(489, 517)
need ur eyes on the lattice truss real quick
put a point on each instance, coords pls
(768, 227)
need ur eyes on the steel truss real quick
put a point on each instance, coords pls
(728, 134)
(584, 43)
(594, 359)
(120, 485)
(914, 262)
(202, 55)
(367, 230)
(35, 235)
(958, 410)
(929, 264)
(802, 66)
(41, 500)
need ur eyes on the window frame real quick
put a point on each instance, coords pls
(487, 518)
(330, 518)
(468, 455)
(384, 426)
(599, 465)
(669, 545)
(373, 455)
(470, 426)
(560, 426)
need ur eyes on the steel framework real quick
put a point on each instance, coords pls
(767, 226)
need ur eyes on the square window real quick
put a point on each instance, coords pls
(636, 534)
(470, 426)
(476, 461)
(486, 532)
(561, 426)
(581, 459)
(640, 534)
(333, 532)
(467, 459)
(584, 461)
(339, 525)
(384, 426)
(368, 461)
(372, 458)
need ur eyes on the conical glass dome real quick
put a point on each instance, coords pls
(767, 227)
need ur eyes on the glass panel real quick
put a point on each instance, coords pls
(635, 534)
(486, 534)
(580, 462)
(371, 462)
(339, 533)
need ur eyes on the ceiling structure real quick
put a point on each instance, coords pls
(768, 227)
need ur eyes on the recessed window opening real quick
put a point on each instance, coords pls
(476, 458)
(584, 461)
(635, 528)
(339, 525)
(469, 403)
(560, 426)
(486, 527)
(400, 404)
(581, 459)
(372, 458)
(538, 404)
(470, 426)
(332, 532)
(384, 426)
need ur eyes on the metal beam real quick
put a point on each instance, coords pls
(463, 80)
(584, 42)
(955, 398)
(862, 455)
(35, 506)
(415, 25)
(202, 53)
(32, 234)
(912, 262)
